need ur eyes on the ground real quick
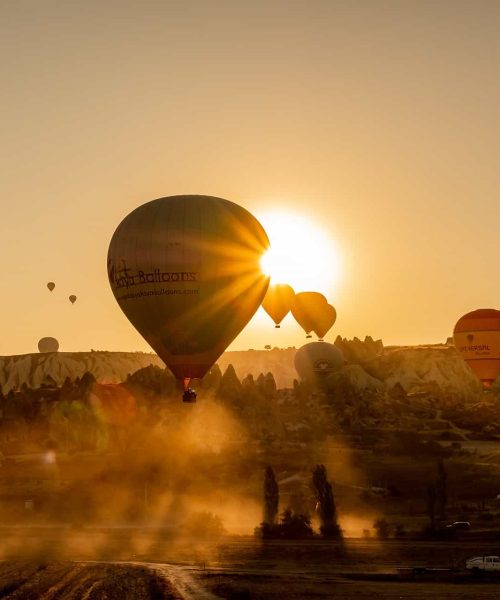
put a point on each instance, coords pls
(147, 565)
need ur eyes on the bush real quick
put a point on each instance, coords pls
(382, 528)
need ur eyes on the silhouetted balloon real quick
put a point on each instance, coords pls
(305, 309)
(317, 360)
(325, 320)
(267, 347)
(51, 285)
(48, 344)
(278, 301)
(477, 338)
(72, 298)
(185, 271)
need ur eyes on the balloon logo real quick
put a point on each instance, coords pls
(278, 302)
(477, 339)
(185, 271)
(51, 285)
(72, 298)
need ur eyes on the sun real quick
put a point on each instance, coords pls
(301, 253)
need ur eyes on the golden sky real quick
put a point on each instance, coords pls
(377, 121)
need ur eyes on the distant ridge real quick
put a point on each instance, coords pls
(433, 369)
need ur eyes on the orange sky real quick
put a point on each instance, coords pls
(375, 120)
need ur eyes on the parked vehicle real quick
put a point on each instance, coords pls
(459, 526)
(483, 563)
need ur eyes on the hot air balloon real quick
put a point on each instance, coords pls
(305, 309)
(48, 344)
(185, 271)
(316, 360)
(477, 338)
(325, 320)
(51, 285)
(72, 298)
(278, 301)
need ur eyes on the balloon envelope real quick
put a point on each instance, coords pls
(317, 360)
(185, 271)
(325, 320)
(305, 309)
(48, 344)
(72, 298)
(278, 301)
(477, 338)
(51, 285)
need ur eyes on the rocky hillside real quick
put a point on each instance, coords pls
(415, 369)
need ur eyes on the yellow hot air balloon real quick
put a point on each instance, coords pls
(51, 285)
(477, 338)
(325, 319)
(305, 309)
(185, 271)
(278, 301)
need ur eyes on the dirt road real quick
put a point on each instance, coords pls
(82, 581)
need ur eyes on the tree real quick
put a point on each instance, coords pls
(271, 497)
(325, 503)
(382, 528)
(441, 490)
(431, 505)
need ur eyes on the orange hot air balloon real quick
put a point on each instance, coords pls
(72, 298)
(326, 318)
(477, 338)
(185, 271)
(278, 301)
(51, 285)
(305, 309)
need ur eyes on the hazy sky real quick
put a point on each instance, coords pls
(376, 120)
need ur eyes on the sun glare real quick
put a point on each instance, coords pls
(301, 253)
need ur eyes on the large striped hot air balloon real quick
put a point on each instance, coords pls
(477, 338)
(185, 270)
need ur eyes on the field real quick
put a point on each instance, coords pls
(144, 564)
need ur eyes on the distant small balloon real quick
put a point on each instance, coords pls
(48, 344)
(306, 308)
(267, 347)
(51, 285)
(326, 318)
(72, 298)
(278, 301)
